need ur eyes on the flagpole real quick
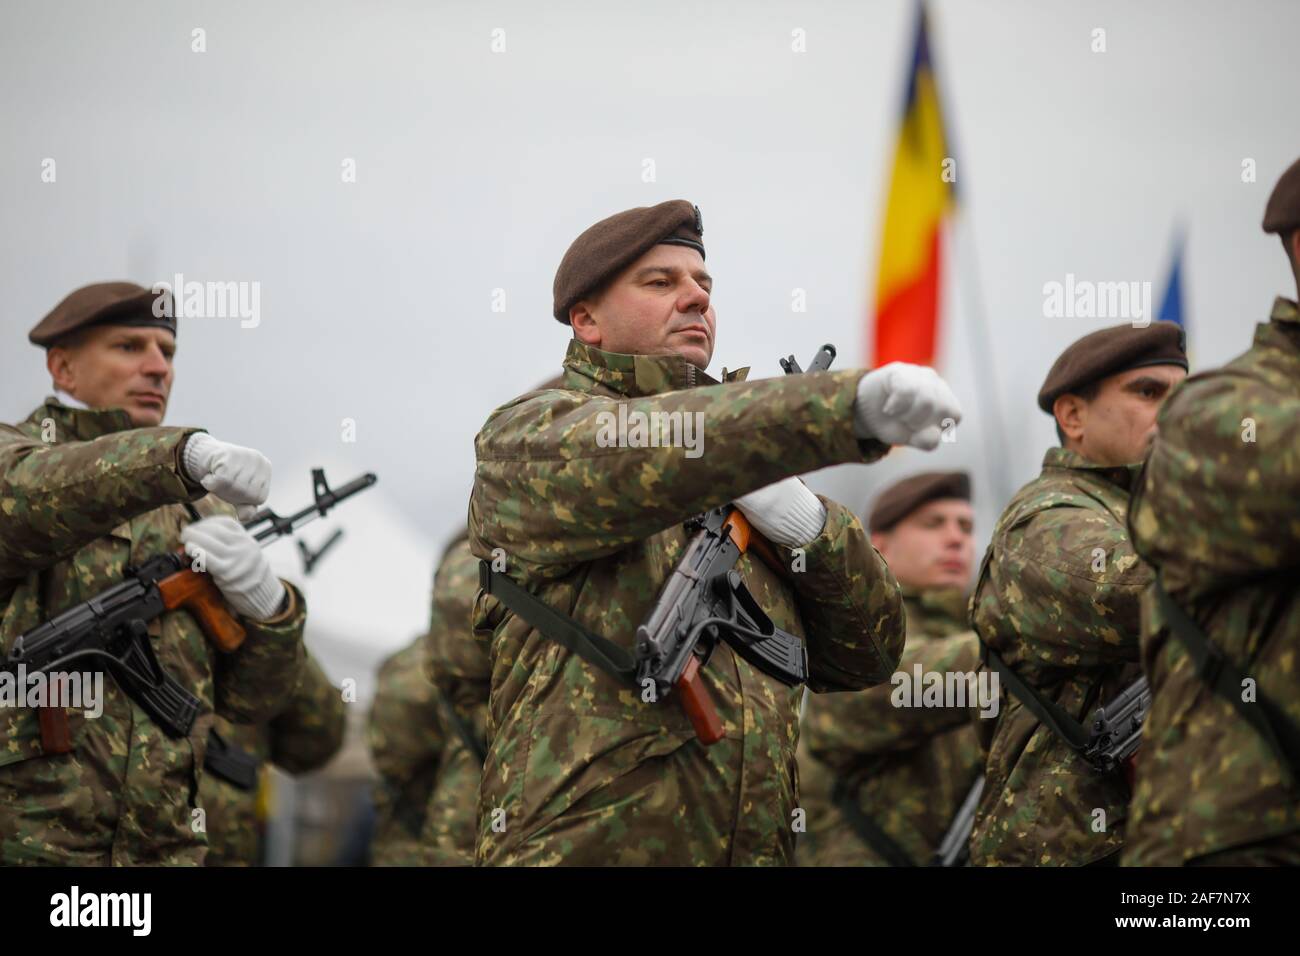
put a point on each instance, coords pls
(990, 404)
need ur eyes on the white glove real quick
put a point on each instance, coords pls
(785, 513)
(237, 566)
(902, 404)
(241, 476)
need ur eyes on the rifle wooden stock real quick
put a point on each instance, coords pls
(56, 737)
(197, 594)
(697, 705)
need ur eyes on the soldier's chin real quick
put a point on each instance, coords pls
(146, 416)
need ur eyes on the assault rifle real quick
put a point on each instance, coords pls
(1116, 731)
(113, 625)
(954, 848)
(704, 601)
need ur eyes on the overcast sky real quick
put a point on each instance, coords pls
(475, 169)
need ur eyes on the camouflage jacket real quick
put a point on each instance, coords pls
(460, 671)
(911, 767)
(304, 736)
(1218, 512)
(580, 769)
(406, 740)
(427, 796)
(83, 495)
(1058, 599)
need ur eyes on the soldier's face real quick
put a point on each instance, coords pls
(1118, 426)
(117, 366)
(659, 305)
(933, 547)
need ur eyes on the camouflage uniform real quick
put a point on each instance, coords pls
(1219, 516)
(1058, 599)
(73, 513)
(581, 770)
(912, 767)
(427, 798)
(406, 739)
(302, 737)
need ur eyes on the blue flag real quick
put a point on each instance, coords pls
(1171, 303)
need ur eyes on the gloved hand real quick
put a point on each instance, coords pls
(241, 476)
(785, 512)
(237, 566)
(902, 404)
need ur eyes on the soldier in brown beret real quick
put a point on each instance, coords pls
(90, 484)
(1057, 604)
(586, 764)
(110, 345)
(879, 778)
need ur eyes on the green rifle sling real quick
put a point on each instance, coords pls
(1048, 712)
(597, 651)
(463, 730)
(845, 797)
(1225, 679)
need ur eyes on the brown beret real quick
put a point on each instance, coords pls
(1282, 214)
(1109, 352)
(104, 303)
(902, 498)
(613, 244)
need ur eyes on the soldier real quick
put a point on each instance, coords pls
(880, 783)
(587, 519)
(88, 485)
(427, 729)
(304, 736)
(1056, 603)
(1217, 513)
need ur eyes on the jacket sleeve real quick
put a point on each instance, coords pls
(55, 498)
(405, 734)
(309, 732)
(253, 682)
(1213, 504)
(842, 729)
(850, 604)
(552, 490)
(1069, 577)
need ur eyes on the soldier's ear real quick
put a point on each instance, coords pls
(58, 361)
(880, 541)
(585, 329)
(1070, 411)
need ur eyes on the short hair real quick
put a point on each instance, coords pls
(1087, 393)
(1286, 238)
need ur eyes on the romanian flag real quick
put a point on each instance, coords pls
(922, 191)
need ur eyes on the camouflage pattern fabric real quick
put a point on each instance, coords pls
(82, 495)
(406, 740)
(1058, 599)
(462, 675)
(304, 736)
(911, 766)
(581, 770)
(428, 792)
(1218, 512)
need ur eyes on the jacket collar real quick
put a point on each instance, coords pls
(942, 610)
(635, 376)
(1062, 459)
(1285, 310)
(81, 424)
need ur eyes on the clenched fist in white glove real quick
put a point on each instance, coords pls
(237, 565)
(902, 404)
(241, 476)
(785, 512)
